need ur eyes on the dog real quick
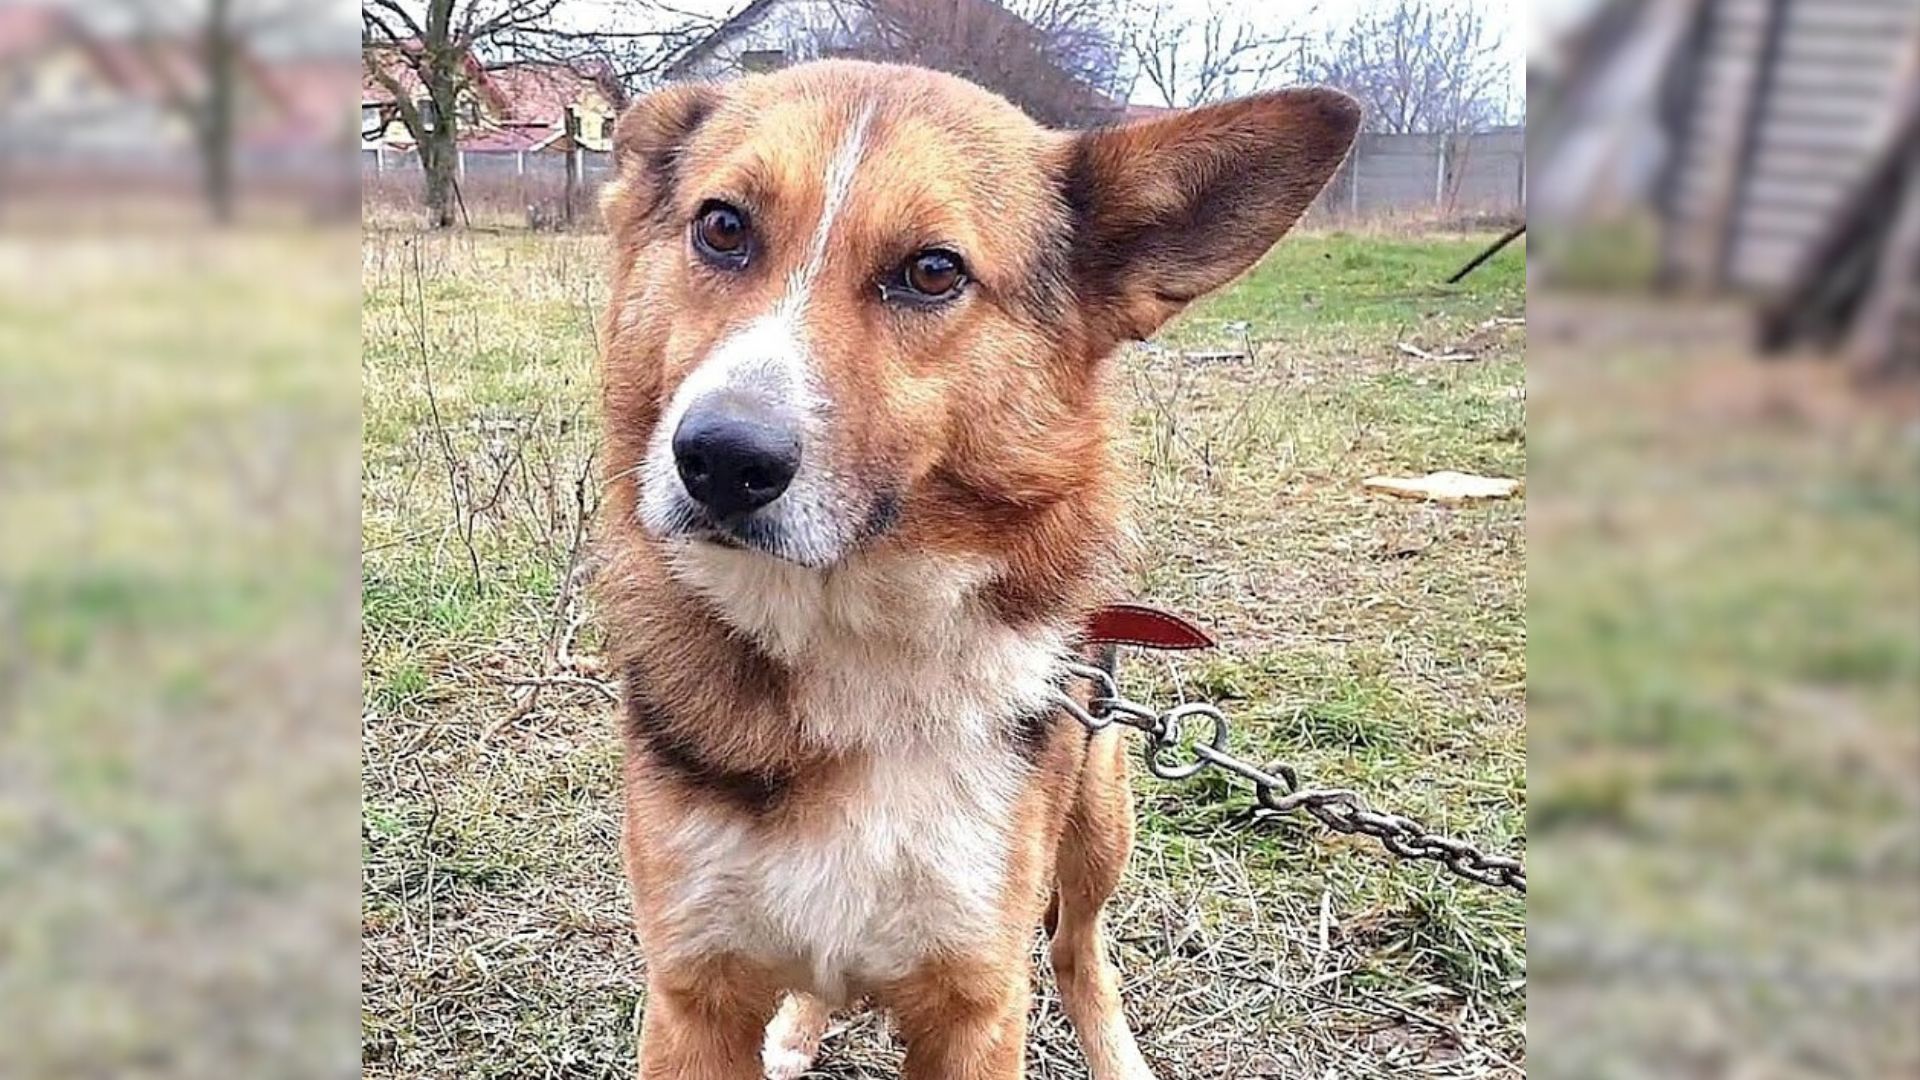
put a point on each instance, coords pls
(864, 490)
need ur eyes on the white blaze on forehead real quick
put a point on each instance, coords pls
(839, 181)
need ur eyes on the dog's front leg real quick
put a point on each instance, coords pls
(965, 1023)
(703, 1028)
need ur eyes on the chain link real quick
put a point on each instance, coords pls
(1277, 786)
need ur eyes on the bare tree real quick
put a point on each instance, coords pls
(1190, 59)
(1418, 66)
(197, 53)
(430, 56)
(1081, 39)
(1056, 59)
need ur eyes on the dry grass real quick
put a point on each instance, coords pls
(1726, 674)
(177, 777)
(1370, 642)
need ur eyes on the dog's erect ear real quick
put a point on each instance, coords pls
(1169, 209)
(646, 146)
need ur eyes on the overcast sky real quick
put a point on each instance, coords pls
(1509, 17)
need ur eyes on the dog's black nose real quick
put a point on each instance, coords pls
(735, 455)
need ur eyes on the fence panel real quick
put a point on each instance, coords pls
(1481, 174)
(1386, 175)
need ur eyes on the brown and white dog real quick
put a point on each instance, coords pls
(864, 491)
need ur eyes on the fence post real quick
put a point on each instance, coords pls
(1440, 172)
(1353, 176)
(520, 163)
(379, 159)
(460, 164)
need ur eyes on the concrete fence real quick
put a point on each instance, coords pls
(1426, 176)
(1482, 174)
(54, 181)
(593, 165)
(530, 187)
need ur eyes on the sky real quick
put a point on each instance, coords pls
(1514, 19)
(299, 27)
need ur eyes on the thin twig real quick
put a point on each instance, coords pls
(1446, 357)
(601, 686)
(463, 514)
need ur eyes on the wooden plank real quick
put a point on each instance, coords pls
(1787, 163)
(1840, 53)
(1799, 195)
(1856, 141)
(1887, 333)
(1877, 21)
(1751, 125)
(1770, 198)
(1818, 110)
(1767, 225)
(1833, 275)
(1868, 83)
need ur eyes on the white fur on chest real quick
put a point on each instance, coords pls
(915, 858)
(896, 665)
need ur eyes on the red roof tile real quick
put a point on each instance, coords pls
(315, 89)
(541, 93)
(25, 27)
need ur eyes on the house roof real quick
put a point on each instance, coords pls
(30, 27)
(520, 93)
(726, 31)
(316, 88)
(312, 93)
(152, 69)
(155, 70)
(960, 36)
(541, 92)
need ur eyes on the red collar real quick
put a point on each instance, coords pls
(1149, 628)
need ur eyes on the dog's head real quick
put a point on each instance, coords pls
(856, 305)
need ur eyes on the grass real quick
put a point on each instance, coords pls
(174, 644)
(1369, 642)
(1725, 680)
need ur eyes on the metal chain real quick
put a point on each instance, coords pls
(1277, 786)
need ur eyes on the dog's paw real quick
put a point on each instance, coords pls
(793, 1038)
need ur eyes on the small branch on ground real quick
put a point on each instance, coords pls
(601, 686)
(1481, 259)
(1446, 357)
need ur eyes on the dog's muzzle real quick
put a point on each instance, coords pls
(735, 453)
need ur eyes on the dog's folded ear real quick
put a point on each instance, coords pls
(647, 141)
(1169, 209)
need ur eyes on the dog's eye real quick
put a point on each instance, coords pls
(721, 233)
(933, 274)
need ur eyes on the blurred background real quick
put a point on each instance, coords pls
(179, 435)
(1723, 519)
(1724, 538)
(138, 110)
